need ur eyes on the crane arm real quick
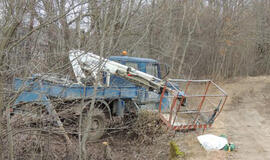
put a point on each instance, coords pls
(81, 60)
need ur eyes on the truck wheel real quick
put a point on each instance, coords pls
(98, 124)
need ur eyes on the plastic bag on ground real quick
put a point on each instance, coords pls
(212, 142)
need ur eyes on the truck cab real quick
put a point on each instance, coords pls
(145, 65)
(146, 98)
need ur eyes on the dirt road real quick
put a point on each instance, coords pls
(245, 120)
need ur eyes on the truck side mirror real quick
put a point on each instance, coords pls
(164, 70)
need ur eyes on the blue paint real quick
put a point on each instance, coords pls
(120, 89)
(131, 59)
(118, 81)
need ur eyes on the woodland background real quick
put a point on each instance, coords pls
(216, 39)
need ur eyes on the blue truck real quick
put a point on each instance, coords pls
(114, 96)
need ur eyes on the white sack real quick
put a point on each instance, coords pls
(212, 142)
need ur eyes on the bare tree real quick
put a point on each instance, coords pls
(217, 39)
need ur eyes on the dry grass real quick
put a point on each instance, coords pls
(146, 128)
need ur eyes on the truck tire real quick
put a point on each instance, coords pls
(97, 130)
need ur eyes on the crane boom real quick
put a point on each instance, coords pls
(92, 63)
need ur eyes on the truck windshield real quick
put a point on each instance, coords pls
(152, 69)
(133, 65)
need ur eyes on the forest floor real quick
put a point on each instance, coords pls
(244, 120)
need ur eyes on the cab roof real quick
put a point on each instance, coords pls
(132, 59)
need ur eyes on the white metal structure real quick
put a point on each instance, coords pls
(81, 61)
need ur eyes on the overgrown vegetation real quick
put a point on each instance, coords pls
(216, 39)
(147, 127)
(39, 140)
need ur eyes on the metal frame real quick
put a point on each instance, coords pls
(171, 121)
